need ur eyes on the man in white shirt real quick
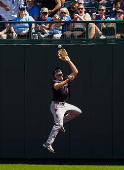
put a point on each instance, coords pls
(10, 8)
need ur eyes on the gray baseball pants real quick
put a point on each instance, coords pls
(58, 110)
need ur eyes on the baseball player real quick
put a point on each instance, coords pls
(61, 110)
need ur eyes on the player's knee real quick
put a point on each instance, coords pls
(58, 126)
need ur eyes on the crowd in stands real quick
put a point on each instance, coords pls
(58, 10)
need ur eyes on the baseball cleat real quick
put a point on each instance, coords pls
(48, 147)
(62, 129)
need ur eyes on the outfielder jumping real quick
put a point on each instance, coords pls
(61, 110)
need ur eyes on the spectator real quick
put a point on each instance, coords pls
(64, 14)
(32, 10)
(73, 8)
(121, 3)
(77, 30)
(21, 31)
(10, 8)
(116, 7)
(52, 5)
(44, 17)
(100, 16)
(119, 16)
(55, 29)
(3, 27)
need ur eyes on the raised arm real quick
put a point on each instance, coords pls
(4, 6)
(57, 7)
(73, 68)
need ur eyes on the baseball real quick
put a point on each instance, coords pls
(59, 46)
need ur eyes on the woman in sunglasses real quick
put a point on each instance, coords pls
(78, 30)
(21, 30)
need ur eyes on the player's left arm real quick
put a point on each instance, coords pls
(73, 68)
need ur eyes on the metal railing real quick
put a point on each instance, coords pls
(108, 32)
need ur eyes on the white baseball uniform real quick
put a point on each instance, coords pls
(61, 110)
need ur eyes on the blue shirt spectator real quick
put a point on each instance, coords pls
(44, 17)
(21, 26)
(32, 10)
(21, 29)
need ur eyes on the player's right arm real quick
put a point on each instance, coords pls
(73, 68)
(4, 6)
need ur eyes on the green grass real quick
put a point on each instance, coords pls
(59, 167)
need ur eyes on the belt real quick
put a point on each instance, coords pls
(59, 102)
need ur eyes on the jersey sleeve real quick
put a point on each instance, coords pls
(54, 81)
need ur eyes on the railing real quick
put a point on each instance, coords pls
(109, 33)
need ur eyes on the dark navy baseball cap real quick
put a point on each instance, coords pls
(57, 69)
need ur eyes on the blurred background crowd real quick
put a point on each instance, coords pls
(58, 10)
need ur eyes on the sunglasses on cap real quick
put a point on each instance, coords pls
(101, 9)
(80, 8)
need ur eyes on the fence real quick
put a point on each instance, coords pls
(113, 32)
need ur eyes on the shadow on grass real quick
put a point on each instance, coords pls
(63, 161)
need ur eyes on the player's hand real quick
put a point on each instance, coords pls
(67, 59)
(70, 77)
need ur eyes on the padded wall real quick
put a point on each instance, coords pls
(25, 97)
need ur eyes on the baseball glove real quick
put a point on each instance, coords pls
(62, 53)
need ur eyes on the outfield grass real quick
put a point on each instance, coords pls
(58, 167)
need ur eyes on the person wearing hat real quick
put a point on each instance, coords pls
(61, 110)
(73, 8)
(32, 10)
(10, 8)
(21, 31)
(55, 29)
(43, 17)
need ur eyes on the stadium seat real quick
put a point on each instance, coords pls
(91, 4)
(108, 12)
(107, 4)
(90, 11)
(120, 28)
